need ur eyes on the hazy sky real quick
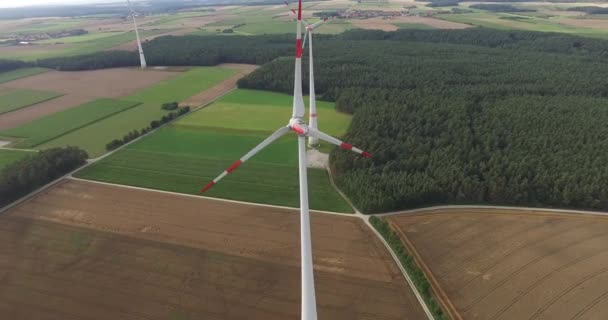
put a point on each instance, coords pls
(22, 3)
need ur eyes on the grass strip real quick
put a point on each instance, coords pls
(409, 264)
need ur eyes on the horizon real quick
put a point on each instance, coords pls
(30, 3)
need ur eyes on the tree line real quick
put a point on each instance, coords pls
(32, 172)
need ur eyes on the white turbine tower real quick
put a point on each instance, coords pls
(302, 130)
(313, 142)
(142, 58)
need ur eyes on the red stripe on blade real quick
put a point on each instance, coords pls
(314, 115)
(366, 154)
(293, 11)
(298, 48)
(346, 146)
(234, 166)
(208, 186)
(299, 9)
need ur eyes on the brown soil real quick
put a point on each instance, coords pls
(83, 250)
(387, 24)
(221, 88)
(513, 264)
(586, 23)
(78, 87)
(375, 24)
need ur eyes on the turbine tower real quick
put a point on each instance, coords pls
(313, 142)
(142, 58)
(297, 125)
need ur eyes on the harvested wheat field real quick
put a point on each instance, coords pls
(78, 88)
(513, 264)
(83, 250)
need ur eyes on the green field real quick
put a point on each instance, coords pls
(251, 110)
(12, 100)
(532, 21)
(20, 73)
(46, 129)
(186, 155)
(93, 138)
(9, 156)
(80, 38)
(417, 26)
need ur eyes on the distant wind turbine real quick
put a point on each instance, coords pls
(313, 142)
(303, 131)
(142, 57)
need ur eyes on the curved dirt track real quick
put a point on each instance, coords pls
(512, 264)
(82, 250)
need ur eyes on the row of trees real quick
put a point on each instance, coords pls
(112, 145)
(30, 173)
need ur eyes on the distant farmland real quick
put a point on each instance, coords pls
(189, 153)
(12, 100)
(95, 136)
(59, 124)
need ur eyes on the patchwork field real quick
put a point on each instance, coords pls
(186, 155)
(87, 251)
(56, 125)
(94, 137)
(11, 100)
(20, 73)
(9, 156)
(513, 264)
(74, 46)
(78, 88)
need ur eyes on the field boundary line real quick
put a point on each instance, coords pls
(409, 281)
(24, 150)
(59, 94)
(443, 298)
(531, 210)
(135, 105)
(207, 198)
(396, 260)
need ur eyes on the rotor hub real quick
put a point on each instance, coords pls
(298, 126)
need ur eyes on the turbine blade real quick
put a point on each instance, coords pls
(318, 134)
(273, 137)
(305, 37)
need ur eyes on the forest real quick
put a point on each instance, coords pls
(32, 172)
(452, 117)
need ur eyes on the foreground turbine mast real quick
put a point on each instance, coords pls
(302, 130)
(142, 58)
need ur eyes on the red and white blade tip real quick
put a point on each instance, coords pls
(208, 186)
(348, 146)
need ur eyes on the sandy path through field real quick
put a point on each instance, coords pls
(78, 87)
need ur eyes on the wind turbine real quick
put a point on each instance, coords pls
(142, 58)
(313, 142)
(297, 125)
